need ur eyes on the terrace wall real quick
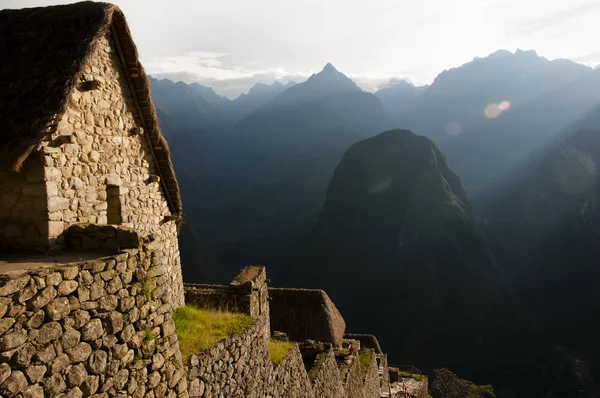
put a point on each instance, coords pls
(95, 327)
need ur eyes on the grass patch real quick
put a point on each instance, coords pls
(199, 329)
(278, 350)
(365, 357)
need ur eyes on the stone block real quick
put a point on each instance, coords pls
(51, 189)
(58, 309)
(56, 203)
(14, 384)
(35, 373)
(13, 340)
(80, 353)
(55, 228)
(92, 331)
(14, 285)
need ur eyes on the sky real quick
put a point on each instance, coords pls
(232, 44)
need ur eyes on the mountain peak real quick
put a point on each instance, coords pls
(329, 68)
(330, 78)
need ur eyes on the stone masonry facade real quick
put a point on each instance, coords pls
(102, 328)
(97, 167)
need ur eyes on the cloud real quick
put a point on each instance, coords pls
(530, 25)
(214, 69)
(591, 59)
(373, 83)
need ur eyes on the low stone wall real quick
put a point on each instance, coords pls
(100, 327)
(247, 294)
(238, 366)
(306, 314)
(92, 236)
(290, 378)
(371, 383)
(353, 379)
(384, 373)
(325, 377)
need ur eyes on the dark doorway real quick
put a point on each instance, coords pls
(113, 213)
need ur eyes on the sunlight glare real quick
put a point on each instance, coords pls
(453, 128)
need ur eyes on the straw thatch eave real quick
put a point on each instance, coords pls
(45, 49)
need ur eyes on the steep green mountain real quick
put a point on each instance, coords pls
(538, 97)
(396, 247)
(398, 97)
(274, 166)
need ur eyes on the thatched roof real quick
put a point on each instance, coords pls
(306, 314)
(43, 51)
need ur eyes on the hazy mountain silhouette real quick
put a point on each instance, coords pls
(276, 163)
(543, 97)
(544, 231)
(259, 95)
(398, 97)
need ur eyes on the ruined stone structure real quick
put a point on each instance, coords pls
(89, 262)
(80, 142)
(239, 366)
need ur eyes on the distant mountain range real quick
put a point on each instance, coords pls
(259, 165)
(477, 244)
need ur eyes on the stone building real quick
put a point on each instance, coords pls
(79, 140)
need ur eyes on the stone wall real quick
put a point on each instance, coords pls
(99, 167)
(247, 294)
(325, 377)
(99, 328)
(371, 379)
(306, 314)
(92, 236)
(23, 214)
(290, 378)
(352, 379)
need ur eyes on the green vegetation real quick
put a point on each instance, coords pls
(485, 391)
(146, 289)
(278, 350)
(149, 334)
(415, 376)
(365, 357)
(198, 329)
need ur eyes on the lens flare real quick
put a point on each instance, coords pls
(504, 105)
(453, 128)
(492, 111)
